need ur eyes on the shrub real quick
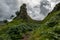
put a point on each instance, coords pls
(5, 21)
(52, 24)
(14, 33)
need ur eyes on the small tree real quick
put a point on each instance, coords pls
(5, 21)
(17, 13)
(12, 16)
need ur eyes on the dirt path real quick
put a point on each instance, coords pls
(26, 36)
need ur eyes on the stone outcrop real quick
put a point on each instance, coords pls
(22, 14)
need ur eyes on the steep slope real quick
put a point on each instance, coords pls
(22, 27)
(50, 27)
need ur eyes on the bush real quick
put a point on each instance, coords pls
(57, 30)
(14, 33)
(52, 24)
(5, 21)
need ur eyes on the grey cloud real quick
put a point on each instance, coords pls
(7, 8)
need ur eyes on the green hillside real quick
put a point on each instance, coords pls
(24, 28)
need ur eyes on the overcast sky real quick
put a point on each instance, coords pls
(37, 9)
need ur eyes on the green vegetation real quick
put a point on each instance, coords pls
(24, 28)
(49, 29)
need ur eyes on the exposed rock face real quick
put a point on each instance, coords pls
(23, 13)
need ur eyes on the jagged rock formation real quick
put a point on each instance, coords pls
(22, 14)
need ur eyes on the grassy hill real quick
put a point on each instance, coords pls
(49, 30)
(24, 28)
